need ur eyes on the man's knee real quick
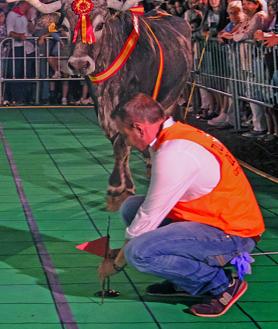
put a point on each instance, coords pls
(135, 253)
(129, 208)
(125, 211)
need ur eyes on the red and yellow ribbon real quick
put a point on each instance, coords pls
(83, 9)
(161, 63)
(120, 60)
(125, 52)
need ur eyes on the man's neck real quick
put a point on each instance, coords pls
(162, 124)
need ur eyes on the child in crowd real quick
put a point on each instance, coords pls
(52, 30)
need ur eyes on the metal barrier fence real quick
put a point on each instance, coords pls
(245, 71)
(33, 62)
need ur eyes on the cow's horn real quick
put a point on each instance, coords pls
(115, 4)
(130, 3)
(45, 8)
(121, 5)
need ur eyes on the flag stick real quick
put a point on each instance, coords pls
(105, 257)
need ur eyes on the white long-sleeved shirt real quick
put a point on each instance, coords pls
(182, 170)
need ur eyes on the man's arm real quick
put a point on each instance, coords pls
(17, 36)
(112, 265)
(174, 170)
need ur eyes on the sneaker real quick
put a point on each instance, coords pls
(247, 123)
(254, 134)
(220, 119)
(219, 305)
(87, 101)
(208, 116)
(267, 138)
(224, 125)
(165, 288)
(84, 101)
(56, 75)
(64, 101)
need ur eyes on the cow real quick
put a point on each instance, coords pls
(111, 26)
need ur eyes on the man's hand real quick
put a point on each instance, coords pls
(271, 41)
(115, 256)
(113, 253)
(106, 269)
(259, 35)
(227, 35)
(41, 40)
(18, 36)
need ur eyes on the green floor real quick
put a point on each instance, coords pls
(62, 161)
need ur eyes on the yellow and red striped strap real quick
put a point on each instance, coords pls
(137, 10)
(119, 61)
(161, 63)
(126, 51)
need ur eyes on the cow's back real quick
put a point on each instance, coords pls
(140, 72)
(174, 36)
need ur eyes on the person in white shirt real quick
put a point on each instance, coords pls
(198, 214)
(17, 28)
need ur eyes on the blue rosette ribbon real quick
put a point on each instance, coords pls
(242, 263)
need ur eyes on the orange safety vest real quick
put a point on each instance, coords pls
(231, 206)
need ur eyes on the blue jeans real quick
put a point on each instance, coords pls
(189, 254)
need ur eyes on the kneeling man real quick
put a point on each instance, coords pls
(199, 213)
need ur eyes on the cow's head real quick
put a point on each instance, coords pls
(82, 59)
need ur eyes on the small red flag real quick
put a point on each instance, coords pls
(97, 247)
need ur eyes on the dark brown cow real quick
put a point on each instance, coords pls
(139, 74)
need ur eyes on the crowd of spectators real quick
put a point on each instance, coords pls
(226, 20)
(235, 21)
(26, 28)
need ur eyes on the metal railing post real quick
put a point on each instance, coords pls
(234, 86)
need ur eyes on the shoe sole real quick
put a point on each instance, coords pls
(242, 290)
(177, 294)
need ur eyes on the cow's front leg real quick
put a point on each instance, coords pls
(120, 176)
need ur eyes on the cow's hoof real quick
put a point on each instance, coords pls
(115, 191)
(113, 203)
(130, 191)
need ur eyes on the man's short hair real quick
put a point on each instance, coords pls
(141, 108)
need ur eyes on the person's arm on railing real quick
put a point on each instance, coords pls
(248, 29)
(271, 40)
(17, 36)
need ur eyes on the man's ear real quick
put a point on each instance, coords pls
(139, 128)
